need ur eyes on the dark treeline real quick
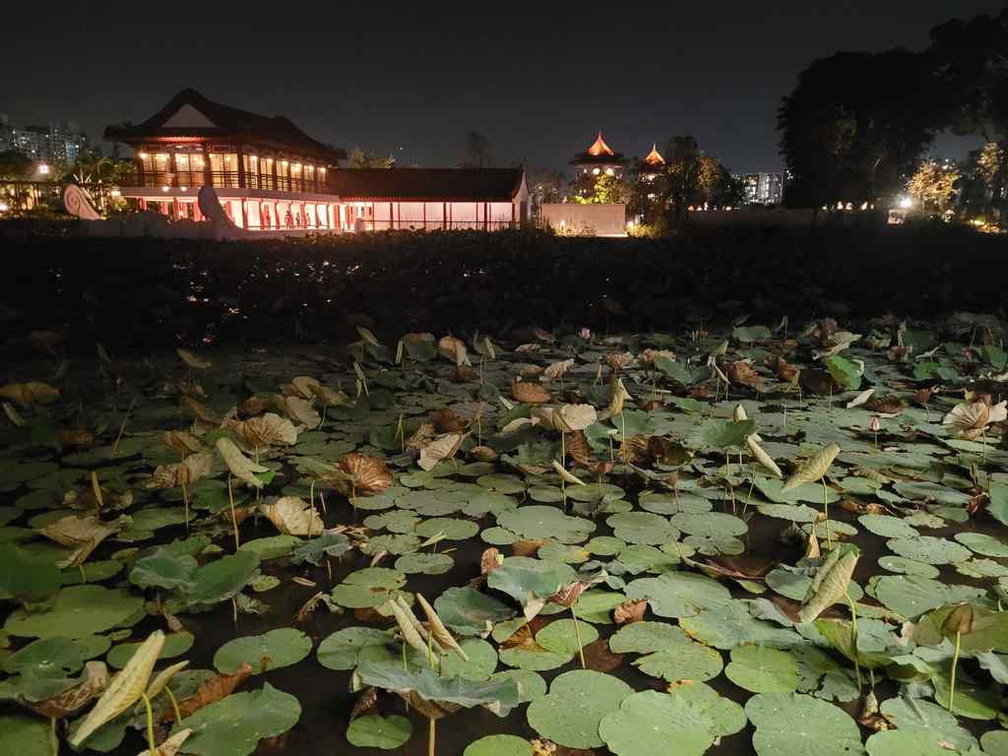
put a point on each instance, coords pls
(857, 123)
(138, 295)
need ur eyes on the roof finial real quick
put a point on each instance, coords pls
(600, 147)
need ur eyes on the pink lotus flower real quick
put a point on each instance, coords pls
(585, 333)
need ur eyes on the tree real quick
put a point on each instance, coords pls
(969, 65)
(933, 186)
(855, 125)
(361, 159)
(607, 190)
(15, 165)
(477, 150)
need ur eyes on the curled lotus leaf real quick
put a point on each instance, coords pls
(240, 466)
(814, 468)
(294, 516)
(830, 581)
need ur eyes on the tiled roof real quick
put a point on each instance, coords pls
(224, 121)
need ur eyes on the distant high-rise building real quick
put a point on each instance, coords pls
(61, 143)
(765, 188)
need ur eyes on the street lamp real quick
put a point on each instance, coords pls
(905, 203)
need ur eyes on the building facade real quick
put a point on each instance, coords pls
(765, 188)
(270, 176)
(56, 143)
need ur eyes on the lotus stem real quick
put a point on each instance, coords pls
(83, 577)
(431, 735)
(234, 517)
(955, 662)
(53, 737)
(577, 634)
(563, 461)
(185, 502)
(150, 725)
(854, 638)
(825, 504)
(122, 428)
(174, 703)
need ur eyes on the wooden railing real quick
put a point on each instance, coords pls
(225, 180)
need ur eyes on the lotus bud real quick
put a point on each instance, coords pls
(739, 414)
(585, 333)
(959, 620)
(876, 423)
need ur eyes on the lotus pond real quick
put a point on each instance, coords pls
(770, 538)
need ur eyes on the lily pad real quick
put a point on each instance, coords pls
(539, 521)
(470, 612)
(793, 724)
(929, 549)
(77, 611)
(499, 745)
(175, 644)
(679, 594)
(376, 731)
(424, 563)
(912, 595)
(25, 735)
(571, 712)
(761, 669)
(341, 650)
(983, 544)
(368, 587)
(671, 654)
(271, 650)
(234, 725)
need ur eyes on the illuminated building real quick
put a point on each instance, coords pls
(269, 175)
(598, 160)
(763, 188)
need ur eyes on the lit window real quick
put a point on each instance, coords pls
(595, 171)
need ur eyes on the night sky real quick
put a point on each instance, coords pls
(538, 78)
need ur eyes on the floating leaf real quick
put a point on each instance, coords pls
(576, 704)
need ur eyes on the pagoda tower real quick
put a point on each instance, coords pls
(598, 160)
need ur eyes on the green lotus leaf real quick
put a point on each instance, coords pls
(234, 725)
(432, 687)
(271, 650)
(222, 579)
(376, 731)
(424, 563)
(795, 724)
(733, 625)
(342, 649)
(316, 550)
(368, 587)
(577, 702)
(911, 595)
(499, 745)
(77, 611)
(26, 577)
(539, 521)
(670, 653)
(25, 735)
(761, 669)
(913, 714)
(679, 594)
(469, 612)
(642, 528)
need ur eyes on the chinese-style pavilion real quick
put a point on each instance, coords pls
(269, 175)
(599, 158)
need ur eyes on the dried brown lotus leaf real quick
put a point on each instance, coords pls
(742, 373)
(200, 411)
(630, 611)
(814, 468)
(294, 516)
(210, 691)
(259, 433)
(239, 465)
(193, 360)
(490, 560)
(971, 419)
(861, 398)
(303, 386)
(557, 369)
(579, 450)
(567, 476)
(784, 370)
(483, 454)
(82, 533)
(527, 546)
(442, 447)
(300, 410)
(367, 475)
(91, 684)
(887, 405)
(330, 397)
(447, 420)
(528, 392)
(437, 629)
(182, 442)
(619, 396)
(568, 595)
(125, 689)
(254, 405)
(762, 457)
(76, 438)
(29, 393)
(455, 350)
(421, 436)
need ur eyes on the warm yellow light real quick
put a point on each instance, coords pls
(164, 188)
(43, 169)
(142, 155)
(185, 188)
(115, 194)
(595, 171)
